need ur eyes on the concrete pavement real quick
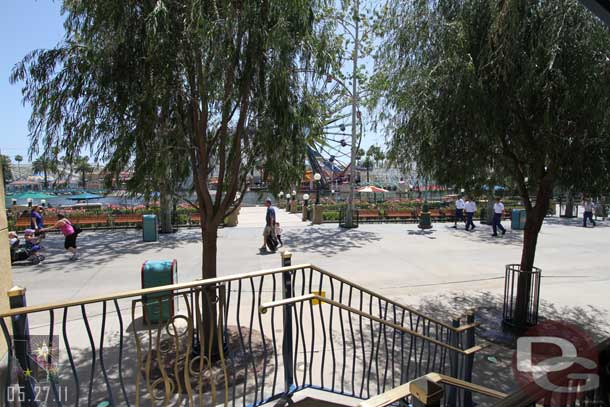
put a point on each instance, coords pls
(397, 260)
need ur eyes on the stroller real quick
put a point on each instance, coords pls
(24, 253)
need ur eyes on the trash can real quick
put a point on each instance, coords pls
(517, 219)
(158, 307)
(150, 231)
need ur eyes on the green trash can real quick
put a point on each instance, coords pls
(158, 307)
(150, 231)
(517, 219)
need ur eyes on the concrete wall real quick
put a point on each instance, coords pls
(6, 274)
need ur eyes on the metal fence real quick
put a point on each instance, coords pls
(209, 342)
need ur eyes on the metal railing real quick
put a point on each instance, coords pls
(205, 342)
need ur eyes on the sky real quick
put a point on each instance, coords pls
(26, 25)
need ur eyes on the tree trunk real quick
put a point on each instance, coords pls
(533, 224)
(165, 210)
(46, 178)
(209, 313)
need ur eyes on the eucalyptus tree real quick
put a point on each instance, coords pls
(512, 90)
(214, 82)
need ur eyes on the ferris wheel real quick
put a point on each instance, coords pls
(330, 153)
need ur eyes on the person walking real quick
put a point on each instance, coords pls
(497, 220)
(459, 210)
(269, 230)
(70, 233)
(470, 207)
(589, 208)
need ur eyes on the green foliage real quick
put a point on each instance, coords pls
(7, 172)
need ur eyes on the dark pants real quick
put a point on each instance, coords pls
(469, 221)
(497, 223)
(587, 215)
(459, 215)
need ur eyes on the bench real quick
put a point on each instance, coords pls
(23, 222)
(126, 218)
(195, 218)
(401, 214)
(365, 214)
(448, 215)
(435, 214)
(93, 220)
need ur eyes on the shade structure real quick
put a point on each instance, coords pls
(31, 195)
(84, 197)
(371, 189)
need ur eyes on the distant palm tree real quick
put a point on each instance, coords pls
(18, 158)
(82, 166)
(44, 165)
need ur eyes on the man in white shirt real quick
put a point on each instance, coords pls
(497, 221)
(589, 208)
(459, 211)
(470, 207)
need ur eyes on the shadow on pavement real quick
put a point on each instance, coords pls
(329, 242)
(493, 364)
(97, 247)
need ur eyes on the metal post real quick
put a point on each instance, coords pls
(469, 361)
(426, 393)
(454, 361)
(287, 351)
(22, 349)
(349, 221)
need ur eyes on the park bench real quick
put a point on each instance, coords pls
(126, 219)
(368, 214)
(195, 218)
(398, 214)
(23, 222)
(448, 214)
(436, 214)
(91, 220)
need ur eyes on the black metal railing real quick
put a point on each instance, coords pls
(206, 343)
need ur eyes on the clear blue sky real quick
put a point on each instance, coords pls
(25, 25)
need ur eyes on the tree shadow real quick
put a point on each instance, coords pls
(429, 233)
(493, 367)
(483, 234)
(96, 247)
(330, 241)
(573, 222)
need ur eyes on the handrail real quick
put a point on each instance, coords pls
(217, 280)
(308, 297)
(148, 291)
(388, 300)
(404, 390)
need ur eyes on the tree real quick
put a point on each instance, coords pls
(83, 167)
(45, 164)
(512, 90)
(7, 172)
(18, 159)
(222, 79)
(368, 164)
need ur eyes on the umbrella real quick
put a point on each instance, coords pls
(84, 197)
(371, 189)
(32, 195)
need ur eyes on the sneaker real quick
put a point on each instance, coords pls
(495, 235)
(503, 232)
(74, 257)
(473, 227)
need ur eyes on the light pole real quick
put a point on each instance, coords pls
(317, 177)
(305, 216)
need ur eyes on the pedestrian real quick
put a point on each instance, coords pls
(470, 207)
(269, 231)
(459, 211)
(278, 233)
(497, 221)
(37, 221)
(589, 208)
(70, 233)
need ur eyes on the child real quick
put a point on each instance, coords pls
(31, 243)
(278, 233)
(13, 239)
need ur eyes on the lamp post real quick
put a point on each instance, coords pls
(293, 204)
(287, 202)
(43, 202)
(317, 177)
(29, 202)
(279, 198)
